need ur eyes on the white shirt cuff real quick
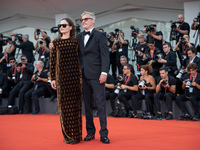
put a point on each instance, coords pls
(104, 73)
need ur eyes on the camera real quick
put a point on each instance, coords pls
(117, 90)
(149, 28)
(134, 31)
(188, 83)
(163, 83)
(159, 55)
(146, 59)
(35, 78)
(181, 72)
(173, 33)
(19, 65)
(54, 29)
(18, 37)
(108, 36)
(41, 42)
(38, 31)
(78, 30)
(198, 22)
(142, 83)
(117, 33)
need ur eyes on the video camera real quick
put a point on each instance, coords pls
(18, 37)
(5, 40)
(173, 33)
(149, 28)
(198, 22)
(117, 33)
(134, 31)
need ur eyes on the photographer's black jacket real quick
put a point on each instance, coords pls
(131, 82)
(142, 48)
(27, 49)
(27, 73)
(3, 82)
(196, 61)
(43, 74)
(171, 62)
(183, 26)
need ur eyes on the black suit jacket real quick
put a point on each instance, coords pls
(94, 57)
(197, 61)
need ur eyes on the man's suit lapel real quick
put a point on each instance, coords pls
(93, 31)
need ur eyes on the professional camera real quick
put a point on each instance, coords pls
(54, 29)
(198, 22)
(134, 31)
(173, 33)
(159, 55)
(19, 65)
(164, 83)
(5, 40)
(142, 83)
(38, 31)
(188, 83)
(149, 28)
(41, 42)
(117, 90)
(18, 37)
(181, 72)
(35, 78)
(117, 33)
(108, 36)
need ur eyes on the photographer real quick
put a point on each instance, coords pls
(4, 60)
(150, 56)
(191, 85)
(3, 86)
(140, 49)
(1, 42)
(43, 51)
(26, 46)
(39, 79)
(183, 28)
(44, 35)
(170, 59)
(156, 36)
(146, 91)
(165, 90)
(128, 88)
(11, 73)
(113, 49)
(23, 79)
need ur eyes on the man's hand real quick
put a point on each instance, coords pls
(162, 61)
(23, 66)
(123, 86)
(18, 69)
(39, 79)
(193, 84)
(115, 41)
(53, 84)
(102, 78)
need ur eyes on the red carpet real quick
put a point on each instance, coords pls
(43, 132)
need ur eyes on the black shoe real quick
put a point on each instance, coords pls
(89, 137)
(20, 111)
(52, 98)
(27, 112)
(184, 117)
(158, 117)
(169, 117)
(196, 118)
(148, 116)
(131, 114)
(74, 142)
(35, 113)
(105, 140)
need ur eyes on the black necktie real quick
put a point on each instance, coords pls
(85, 33)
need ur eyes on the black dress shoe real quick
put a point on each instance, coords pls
(105, 140)
(35, 113)
(89, 137)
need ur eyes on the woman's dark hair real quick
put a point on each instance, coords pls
(147, 68)
(192, 66)
(72, 32)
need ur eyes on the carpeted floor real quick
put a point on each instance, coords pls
(43, 132)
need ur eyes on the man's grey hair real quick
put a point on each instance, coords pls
(39, 62)
(123, 57)
(89, 13)
(26, 36)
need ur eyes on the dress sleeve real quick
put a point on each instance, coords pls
(53, 60)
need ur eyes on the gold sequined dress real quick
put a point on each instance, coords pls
(65, 69)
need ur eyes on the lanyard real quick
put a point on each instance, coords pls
(193, 78)
(185, 46)
(180, 25)
(22, 70)
(126, 79)
(6, 59)
(14, 70)
(167, 81)
(151, 53)
(43, 51)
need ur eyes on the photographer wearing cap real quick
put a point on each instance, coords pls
(39, 89)
(128, 88)
(140, 49)
(146, 91)
(150, 57)
(183, 28)
(191, 85)
(44, 35)
(44, 52)
(165, 90)
(26, 46)
(156, 36)
(113, 51)
(169, 60)
(23, 79)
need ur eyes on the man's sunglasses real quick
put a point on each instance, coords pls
(62, 25)
(85, 19)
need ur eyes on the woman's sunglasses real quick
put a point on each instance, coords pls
(62, 25)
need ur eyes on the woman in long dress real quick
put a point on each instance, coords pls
(65, 74)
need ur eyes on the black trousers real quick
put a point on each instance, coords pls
(51, 91)
(113, 64)
(136, 99)
(21, 88)
(159, 97)
(94, 88)
(34, 94)
(193, 98)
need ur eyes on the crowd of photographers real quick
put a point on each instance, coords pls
(159, 77)
(17, 76)
(156, 79)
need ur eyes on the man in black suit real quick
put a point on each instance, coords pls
(94, 59)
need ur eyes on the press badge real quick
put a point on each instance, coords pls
(8, 65)
(42, 57)
(120, 50)
(13, 78)
(125, 90)
(190, 90)
(21, 75)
